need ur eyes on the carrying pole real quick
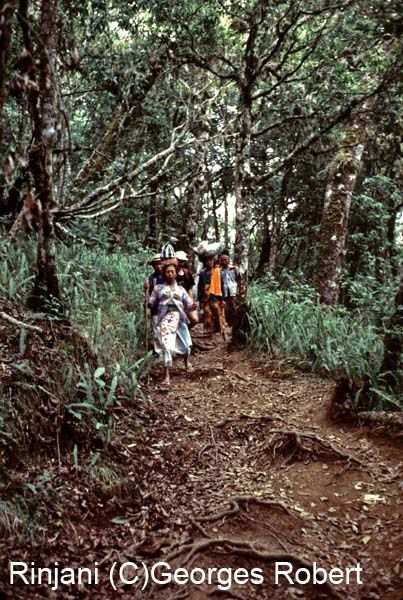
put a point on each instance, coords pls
(147, 331)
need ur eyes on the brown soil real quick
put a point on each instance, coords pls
(239, 466)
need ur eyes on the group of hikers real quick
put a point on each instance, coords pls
(175, 303)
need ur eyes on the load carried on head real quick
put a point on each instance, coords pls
(206, 250)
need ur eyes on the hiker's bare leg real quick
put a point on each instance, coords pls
(188, 365)
(166, 376)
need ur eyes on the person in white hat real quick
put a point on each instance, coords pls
(156, 277)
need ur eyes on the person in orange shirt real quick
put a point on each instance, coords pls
(210, 297)
(230, 275)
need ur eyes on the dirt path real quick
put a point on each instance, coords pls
(239, 466)
(240, 428)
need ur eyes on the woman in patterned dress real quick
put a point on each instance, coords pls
(171, 303)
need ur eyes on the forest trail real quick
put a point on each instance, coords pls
(240, 449)
(238, 427)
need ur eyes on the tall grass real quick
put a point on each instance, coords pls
(102, 292)
(103, 295)
(326, 340)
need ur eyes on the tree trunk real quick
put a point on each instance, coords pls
(215, 218)
(278, 215)
(6, 16)
(393, 345)
(241, 326)
(393, 211)
(226, 223)
(242, 180)
(152, 219)
(242, 208)
(265, 249)
(46, 281)
(191, 212)
(339, 190)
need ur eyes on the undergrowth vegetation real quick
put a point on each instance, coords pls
(103, 297)
(62, 387)
(102, 292)
(330, 341)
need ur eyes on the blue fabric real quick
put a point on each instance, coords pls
(163, 295)
(228, 282)
(153, 281)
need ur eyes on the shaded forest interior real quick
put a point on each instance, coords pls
(272, 127)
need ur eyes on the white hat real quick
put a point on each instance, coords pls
(155, 258)
(181, 255)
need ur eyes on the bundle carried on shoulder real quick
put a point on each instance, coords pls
(168, 255)
(206, 250)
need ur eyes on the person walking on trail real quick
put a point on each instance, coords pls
(150, 283)
(210, 298)
(229, 288)
(156, 277)
(171, 303)
(184, 277)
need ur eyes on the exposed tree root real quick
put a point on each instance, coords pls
(226, 594)
(341, 407)
(245, 416)
(269, 527)
(179, 595)
(18, 323)
(292, 441)
(202, 530)
(246, 549)
(393, 420)
(235, 507)
(242, 377)
(204, 449)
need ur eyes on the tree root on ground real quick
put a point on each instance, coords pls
(250, 417)
(267, 526)
(227, 594)
(245, 549)
(18, 323)
(235, 507)
(394, 420)
(292, 441)
(179, 595)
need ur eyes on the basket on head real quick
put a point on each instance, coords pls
(206, 250)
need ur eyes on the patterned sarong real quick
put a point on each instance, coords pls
(172, 338)
(214, 314)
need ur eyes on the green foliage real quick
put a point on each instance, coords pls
(326, 340)
(24, 504)
(104, 298)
